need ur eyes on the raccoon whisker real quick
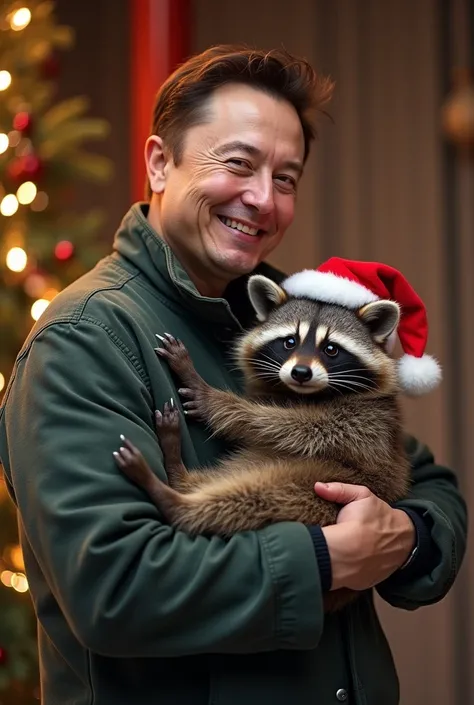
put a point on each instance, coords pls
(260, 365)
(344, 372)
(266, 368)
(352, 385)
(339, 386)
(269, 359)
(352, 378)
(334, 387)
(268, 376)
(260, 362)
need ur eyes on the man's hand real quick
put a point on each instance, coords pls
(370, 539)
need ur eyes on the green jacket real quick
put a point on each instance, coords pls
(131, 612)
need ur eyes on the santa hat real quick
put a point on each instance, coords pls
(354, 284)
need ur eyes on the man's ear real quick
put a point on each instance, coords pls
(265, 295)
(157, 160)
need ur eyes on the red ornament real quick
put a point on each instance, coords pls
(64, 250)
(3, 656)
(22, 122)
(26, 168)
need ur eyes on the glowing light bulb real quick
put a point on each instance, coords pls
(27, 193)
(20, 19)
(9, 204)
(6, 577)
(2, 381)
(19, 582)
(16, 259)
(5, 80)
(4, 142)
(38, 307)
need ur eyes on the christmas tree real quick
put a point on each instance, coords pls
(44, 245)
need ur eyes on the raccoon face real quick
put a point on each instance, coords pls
(310, 348)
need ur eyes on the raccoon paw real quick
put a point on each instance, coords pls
(133, 464)
(194, 407)
(167, 428)
(178, 357)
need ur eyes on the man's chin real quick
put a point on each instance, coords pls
(237, 266)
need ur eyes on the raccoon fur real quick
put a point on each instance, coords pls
(320, 404)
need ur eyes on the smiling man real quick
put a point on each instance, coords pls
(228, 199)
(130, 610)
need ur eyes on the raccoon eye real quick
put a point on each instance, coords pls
(289, 343)
(331, 350)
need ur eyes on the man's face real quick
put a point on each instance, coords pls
(232, 197)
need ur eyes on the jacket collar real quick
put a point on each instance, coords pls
(141, 246)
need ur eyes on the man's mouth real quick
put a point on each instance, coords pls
(241, 227)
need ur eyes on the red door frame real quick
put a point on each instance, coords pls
(160, 40)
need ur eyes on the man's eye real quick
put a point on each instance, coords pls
(289, 343)
(289, 180)
(241, 163)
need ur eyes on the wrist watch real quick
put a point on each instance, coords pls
(410, 558)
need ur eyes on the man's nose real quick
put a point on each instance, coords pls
(259, 193)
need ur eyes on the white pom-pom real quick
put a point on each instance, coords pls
(418, 375)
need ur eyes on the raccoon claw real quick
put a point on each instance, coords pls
(167, 430)
(132, 463)
(178, 357)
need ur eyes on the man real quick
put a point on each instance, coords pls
(130, 610)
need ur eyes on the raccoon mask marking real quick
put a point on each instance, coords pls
(306, 348)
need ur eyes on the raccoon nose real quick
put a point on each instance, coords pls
(301, 373)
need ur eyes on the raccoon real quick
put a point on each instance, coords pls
(320, 404)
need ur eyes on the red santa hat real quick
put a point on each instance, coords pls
(354, 284)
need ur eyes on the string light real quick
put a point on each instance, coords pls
(2, 381)
(5, 80)
(9, 205)
(20, 19)
(4, 142)
(26, 193)
(19, 582)
(64, 250)
(16, 259)
(6, 577)
(38, 308)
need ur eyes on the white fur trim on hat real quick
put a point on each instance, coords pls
(418, 375)
(329, 288)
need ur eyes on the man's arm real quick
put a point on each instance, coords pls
(128, 584)
(371, 542)
(436, 500)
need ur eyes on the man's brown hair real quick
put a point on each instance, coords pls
(181, 100)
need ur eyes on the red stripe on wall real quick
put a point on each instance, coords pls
(160, 40)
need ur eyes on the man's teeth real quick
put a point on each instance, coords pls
(238, 226)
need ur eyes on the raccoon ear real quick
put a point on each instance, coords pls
(265, 295)
(381, 318)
